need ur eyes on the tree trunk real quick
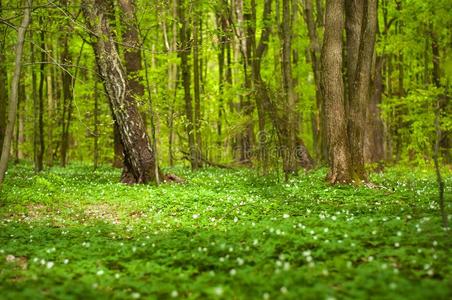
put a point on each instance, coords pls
(96, 126)
(139, 157)
(289, 97)
(3, 87)
(359, 80)
(50, 116)
(444, 136)
(333, 94)
(172, 80)
(133, 64)
(20, 124)
(34, 93)
(259, 86)
(66, 80)
(42, 79)
(374, 137)
(184, 52)
(196, 84)
(12, 109)
(314, 51)
(245, 138)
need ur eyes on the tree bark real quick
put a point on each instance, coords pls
(3, 87)
(333, 94)
(289, 97)
(42, 78)
(374, 137)
(139, 157)
(133, 63)
(359, 81)
(184, 52)
(66, 80)
(196, 84)
(50, 116)
(13, 101)
(443, 102)
(314, 51)
(96, 125)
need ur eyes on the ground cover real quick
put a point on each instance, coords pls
(75, 233)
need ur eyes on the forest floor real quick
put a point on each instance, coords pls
(75, 233)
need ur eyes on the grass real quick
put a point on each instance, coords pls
(75, 233)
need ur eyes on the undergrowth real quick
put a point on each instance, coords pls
(76, 233)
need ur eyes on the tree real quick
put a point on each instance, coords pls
(4, 79)
(333, 94)
(346, 148)
(13, 101)
(139, 161)
(184, 51)
(361, 24)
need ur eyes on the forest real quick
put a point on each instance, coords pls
(225, 149)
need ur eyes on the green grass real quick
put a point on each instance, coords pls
(75, 233)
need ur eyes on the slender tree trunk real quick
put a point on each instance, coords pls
(197, 71)
(20, 124)
(184, 52)
(139, 157)
(333, 94)
(3, 87)
(12, 109)
(42, 79)
(34, 93)
(50, 116)
(96, 125)
(314, 51)
(222, 40)
(259, 86)
(289, 97)
(172, 80)
(67, 98)
(374, 137)
(244, 22)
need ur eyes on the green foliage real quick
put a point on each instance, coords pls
(224, 234)
(416, 116)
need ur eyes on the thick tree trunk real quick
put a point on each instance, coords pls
(359, 82)
(139, 157)
(333, 94)
(133, 64)
(118, 148)
(13, 101)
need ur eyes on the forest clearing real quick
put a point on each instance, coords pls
(225, 149)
